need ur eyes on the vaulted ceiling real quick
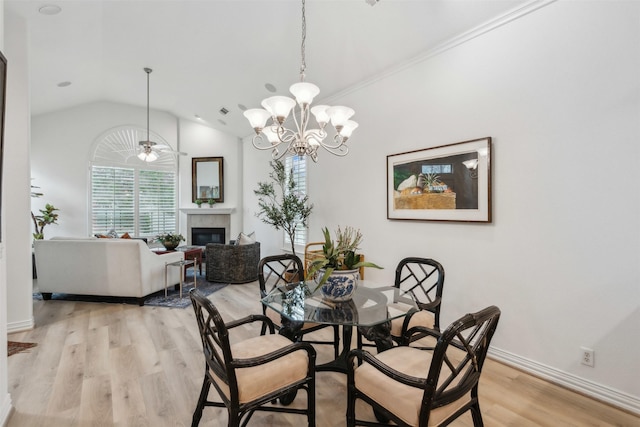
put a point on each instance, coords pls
(207, 55)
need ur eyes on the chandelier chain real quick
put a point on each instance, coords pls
(303, 64)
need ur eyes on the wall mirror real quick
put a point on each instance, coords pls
(207, 179)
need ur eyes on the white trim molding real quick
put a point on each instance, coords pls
(5, 410)
(23, 325)
(589, 388)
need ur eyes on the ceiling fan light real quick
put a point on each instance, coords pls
(148, 157)
(304, 92)
(339, 115)
(257, 118)
(279, 107)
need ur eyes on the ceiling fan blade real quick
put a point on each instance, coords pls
(173, 152)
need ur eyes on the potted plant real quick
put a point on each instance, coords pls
(336, 268)
(169, 240)
(211, 202)
(199, 202)
(48, 216)
(280, 205)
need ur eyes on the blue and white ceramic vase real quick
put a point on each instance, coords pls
(340, 285)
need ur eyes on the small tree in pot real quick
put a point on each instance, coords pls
(279, 203)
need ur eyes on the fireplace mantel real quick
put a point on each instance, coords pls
(207, 218)
(207, 211)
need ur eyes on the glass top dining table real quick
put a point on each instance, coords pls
(371, 310)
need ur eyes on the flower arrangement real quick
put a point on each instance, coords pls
(339, 254)
(170, 240)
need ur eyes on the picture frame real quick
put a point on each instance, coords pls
(3, 98)
(444, 183)
(207, 179)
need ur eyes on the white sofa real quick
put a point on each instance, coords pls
(102, 267)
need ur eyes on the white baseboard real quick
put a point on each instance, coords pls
(24, 325)
(5, 410)
(597, 391)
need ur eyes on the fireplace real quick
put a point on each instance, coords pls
(200, 236)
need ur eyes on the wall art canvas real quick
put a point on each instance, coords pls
(445, 183)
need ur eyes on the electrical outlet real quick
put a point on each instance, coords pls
(587, 356)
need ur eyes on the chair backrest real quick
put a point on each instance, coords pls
(458, 358)
(423, 278)
(215, 341)
(278, 270)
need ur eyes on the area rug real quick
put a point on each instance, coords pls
(14, 347)
(156, 299)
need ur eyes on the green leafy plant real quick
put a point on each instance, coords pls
(199, 202)
(211, 202)
(339, 254)
(47, 216)
(280, 205)
(170, 237)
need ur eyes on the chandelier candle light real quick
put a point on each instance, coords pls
(302, 141)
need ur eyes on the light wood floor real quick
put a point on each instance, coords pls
(124, 365)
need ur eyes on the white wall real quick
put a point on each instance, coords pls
(15, 281)
(61, 144)
(558, 90)
(61, 147)
(202, 141)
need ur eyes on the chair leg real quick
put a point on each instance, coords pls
(476, 415)
(197, 414)
(336, 340)
(311, 402)
(351, 406)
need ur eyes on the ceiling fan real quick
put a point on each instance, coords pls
(149, 150)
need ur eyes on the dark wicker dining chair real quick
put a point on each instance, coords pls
(424, 386)
(251, 375)
(423, 278)
(282, 269)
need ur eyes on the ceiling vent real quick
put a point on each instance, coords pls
(224, 111)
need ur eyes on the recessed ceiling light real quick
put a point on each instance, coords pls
(242, 107)
(64, 84)
(197, 117)
(50, 9)
(222, 122)
(270, 87)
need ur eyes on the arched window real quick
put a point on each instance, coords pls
(127, 194)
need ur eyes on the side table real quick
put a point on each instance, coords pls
(194, 253)
(183, 265)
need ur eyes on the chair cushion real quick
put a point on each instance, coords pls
(260, 380)
(402, 400)
(421, 318)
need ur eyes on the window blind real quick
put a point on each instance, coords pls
(297, 165)
(139, 202)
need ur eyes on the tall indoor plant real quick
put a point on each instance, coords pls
(279, 203)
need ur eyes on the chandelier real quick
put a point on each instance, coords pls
(303, 140)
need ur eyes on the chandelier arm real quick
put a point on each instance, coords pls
(341, 150)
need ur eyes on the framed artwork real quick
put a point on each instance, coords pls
(446, 183)
(207, 179)
(3, 96)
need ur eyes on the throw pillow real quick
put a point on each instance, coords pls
(246, 239)
(125, 236)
